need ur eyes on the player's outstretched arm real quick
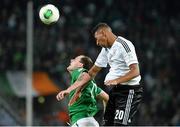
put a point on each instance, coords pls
(81, 81)
(85, 77)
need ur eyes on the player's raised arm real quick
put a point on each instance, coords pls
(84, 78)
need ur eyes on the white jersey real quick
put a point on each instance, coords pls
(121, 54)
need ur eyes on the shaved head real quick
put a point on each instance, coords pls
(103, 35)
(101, 26)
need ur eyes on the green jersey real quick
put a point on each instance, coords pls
(85, 105)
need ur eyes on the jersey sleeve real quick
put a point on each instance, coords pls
(129, 54)
(102, 59)
(97, 90)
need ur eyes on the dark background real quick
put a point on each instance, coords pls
(152, 25)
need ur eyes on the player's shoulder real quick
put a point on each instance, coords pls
(124, 43)
(82, 70)
(121, 40)
(79, 70)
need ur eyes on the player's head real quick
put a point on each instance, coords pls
(102, 33)
(80, 62)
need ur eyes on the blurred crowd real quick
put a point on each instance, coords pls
(153, 26)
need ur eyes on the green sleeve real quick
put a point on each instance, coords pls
(97, 91)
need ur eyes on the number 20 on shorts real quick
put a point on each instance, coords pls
(119, 114)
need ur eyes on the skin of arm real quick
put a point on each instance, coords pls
(94, 70)
(104, 97)
(84, 78)
(134, 72)
(81, 81)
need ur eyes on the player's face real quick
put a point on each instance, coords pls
(75, 63)
(101, 38)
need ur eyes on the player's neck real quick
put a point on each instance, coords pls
(112, 39)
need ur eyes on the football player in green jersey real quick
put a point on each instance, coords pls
(82, 98)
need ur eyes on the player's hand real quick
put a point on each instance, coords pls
(111, 82)
(62, 94)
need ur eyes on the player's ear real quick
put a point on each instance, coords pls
(103, 32)
(81, 65)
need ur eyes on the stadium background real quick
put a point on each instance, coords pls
(152, 25)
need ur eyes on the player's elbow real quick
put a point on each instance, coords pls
(135, 70)
(136, 73)
(105, 97)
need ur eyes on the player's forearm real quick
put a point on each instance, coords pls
(93, 71)
(81, 81)
(91, 74)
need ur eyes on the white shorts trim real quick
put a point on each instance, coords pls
(86, 122)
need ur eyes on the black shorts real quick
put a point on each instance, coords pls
(123, 103)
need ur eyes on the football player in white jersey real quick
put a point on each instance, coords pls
(124, 75)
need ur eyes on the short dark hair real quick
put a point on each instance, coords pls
(87, 62)
(99, 26)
